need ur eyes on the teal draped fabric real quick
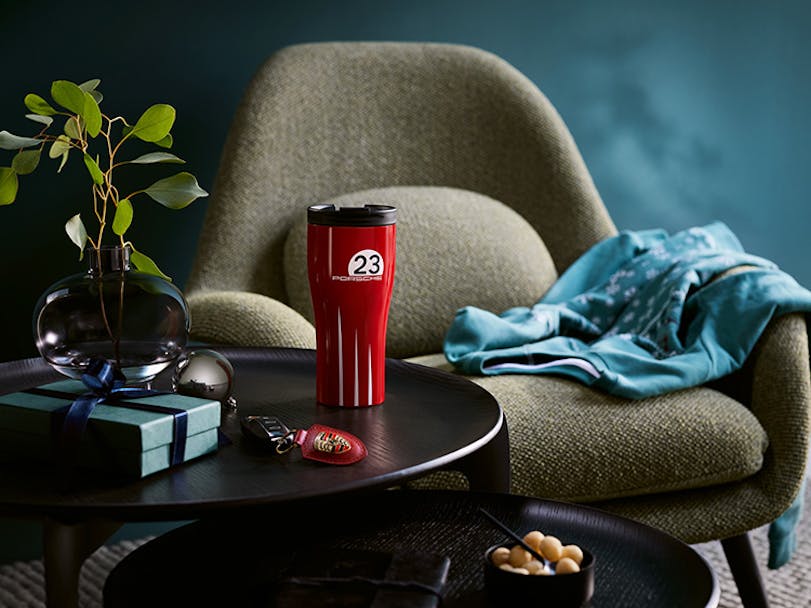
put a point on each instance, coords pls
(637, 315)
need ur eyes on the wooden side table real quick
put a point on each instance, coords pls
(240, 561)
(431, 420)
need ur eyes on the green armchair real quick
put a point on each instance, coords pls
(494, 203)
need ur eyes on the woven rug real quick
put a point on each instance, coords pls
(21, 583)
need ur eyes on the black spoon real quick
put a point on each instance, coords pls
(501, 526)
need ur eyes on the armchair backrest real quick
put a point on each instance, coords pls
(323, 119)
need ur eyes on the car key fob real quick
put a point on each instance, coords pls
(266, 431)
(318, 442)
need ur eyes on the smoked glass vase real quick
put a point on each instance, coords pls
(137, 321)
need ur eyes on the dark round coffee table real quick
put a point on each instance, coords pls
(430, 420)
(239, 562)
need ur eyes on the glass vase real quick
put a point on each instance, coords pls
(137, 321)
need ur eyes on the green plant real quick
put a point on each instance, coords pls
(83, 123)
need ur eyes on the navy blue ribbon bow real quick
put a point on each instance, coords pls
(106, 384)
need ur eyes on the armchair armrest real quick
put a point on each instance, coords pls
(774, 383)
(781, 400)
(247, 319)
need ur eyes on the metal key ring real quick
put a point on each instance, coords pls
(286, 443)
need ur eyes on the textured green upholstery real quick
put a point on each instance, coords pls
(443, 235)
(319, 120)
(459, 132)
(775, 384)
(577, 444)
(248, 319)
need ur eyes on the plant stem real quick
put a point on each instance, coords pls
(101, 297)
(117, 339)
(99, 192)
(96, 207)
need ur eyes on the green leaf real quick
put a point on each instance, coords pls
(90, 85)
(60, 147)
(74, 126)
(166, 142)
(8, 185)
(177, 191)
(156, 157)
(68, 95)
(97, 96)
(26, 161)
(123, 216)
(145, 264)
(64, 160)
(126, 130)
(45, 120)
(38, 105)
(77, 232)
(92, 115)
(93, 168)
(9, 141)
(155, 123)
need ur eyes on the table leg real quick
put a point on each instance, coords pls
(488, 468)
(65, 548)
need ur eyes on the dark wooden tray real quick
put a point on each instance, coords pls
(235, 562)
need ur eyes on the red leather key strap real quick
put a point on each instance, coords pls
(329, 445)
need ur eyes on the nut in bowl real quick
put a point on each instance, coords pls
(564, 579)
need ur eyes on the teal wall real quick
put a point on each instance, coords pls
(685, 112)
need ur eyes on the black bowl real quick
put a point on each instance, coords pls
(558, 590)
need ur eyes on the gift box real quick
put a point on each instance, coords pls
(131, 436)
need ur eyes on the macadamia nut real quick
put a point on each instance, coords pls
(534, 566)
(533, 539)
(573, 552)
(567, 566)
(551, 548)
(500, 556)
(519, 556)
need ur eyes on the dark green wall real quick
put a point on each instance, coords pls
(685, 112)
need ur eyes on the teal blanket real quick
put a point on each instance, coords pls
(638, 315)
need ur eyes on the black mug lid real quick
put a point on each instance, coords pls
(368, 215)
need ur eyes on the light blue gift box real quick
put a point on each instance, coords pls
(118, 439)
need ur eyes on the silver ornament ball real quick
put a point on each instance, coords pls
(207, 374)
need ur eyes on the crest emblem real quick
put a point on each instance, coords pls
(331, 442)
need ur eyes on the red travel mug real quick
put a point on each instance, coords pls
(350, 265)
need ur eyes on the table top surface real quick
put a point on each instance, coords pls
(430, 419)
(636, 565)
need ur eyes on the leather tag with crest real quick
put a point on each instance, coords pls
(329, 445)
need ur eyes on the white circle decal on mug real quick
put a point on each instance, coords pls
(366, 263)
